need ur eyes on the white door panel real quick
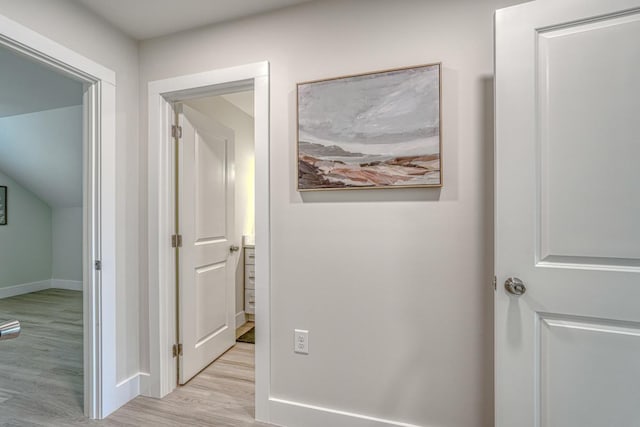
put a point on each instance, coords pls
(588, 119)
(210, 161)
(595, 389)
(567, 209)
(207, 281)
(210, 301)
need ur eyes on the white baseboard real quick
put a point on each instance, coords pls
(27, 288)
(24, 288)
(288, 413)
(241, 319)
(71, 285)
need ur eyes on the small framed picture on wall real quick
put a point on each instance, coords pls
(3, 205)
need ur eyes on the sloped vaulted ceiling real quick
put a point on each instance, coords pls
(41, 130)
(27, 86)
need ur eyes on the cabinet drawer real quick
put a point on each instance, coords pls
(249, 282)
(249, 256)
(250, 301)
(249, 272)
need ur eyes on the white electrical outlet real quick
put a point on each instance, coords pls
(300, 341)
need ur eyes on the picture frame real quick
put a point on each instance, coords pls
(375, 130)
(3, 205)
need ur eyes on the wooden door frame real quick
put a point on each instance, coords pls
(162, 368)
(102, 393)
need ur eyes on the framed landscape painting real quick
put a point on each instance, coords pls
(3, 205)
(374, 130)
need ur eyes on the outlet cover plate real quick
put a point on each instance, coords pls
(301, 341)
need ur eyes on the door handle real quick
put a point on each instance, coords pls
(9, 330)
(515, 286)
(234, 248)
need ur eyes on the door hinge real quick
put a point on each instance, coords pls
(177, 350)
(98, 265)
(176, 241)
(495, 283)
(176, 131)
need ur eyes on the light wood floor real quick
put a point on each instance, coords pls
(41, 381)
(41, 370)
(244, 328)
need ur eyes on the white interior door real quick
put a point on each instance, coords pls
(568, 214)
(206, 223)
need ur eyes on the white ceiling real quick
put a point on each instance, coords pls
(144, 19)
(27, 86)
(242, 100)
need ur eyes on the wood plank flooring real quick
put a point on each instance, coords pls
(244, 328)
(41, 371)
(41, 382)
(221, 395)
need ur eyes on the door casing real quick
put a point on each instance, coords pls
(102, 393)
(162, 298)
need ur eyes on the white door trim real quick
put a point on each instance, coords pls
(101, 395)
(162, 375)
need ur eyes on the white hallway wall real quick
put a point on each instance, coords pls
(76, 28)
(393, 285)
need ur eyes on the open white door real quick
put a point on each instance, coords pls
(206, 223)
(568, 214)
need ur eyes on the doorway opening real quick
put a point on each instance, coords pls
(100, 394)
(214, 213)
(192, 316)
(41, 237)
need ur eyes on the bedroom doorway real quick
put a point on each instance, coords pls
(169, 98)
(41, 238)
(97, 384)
